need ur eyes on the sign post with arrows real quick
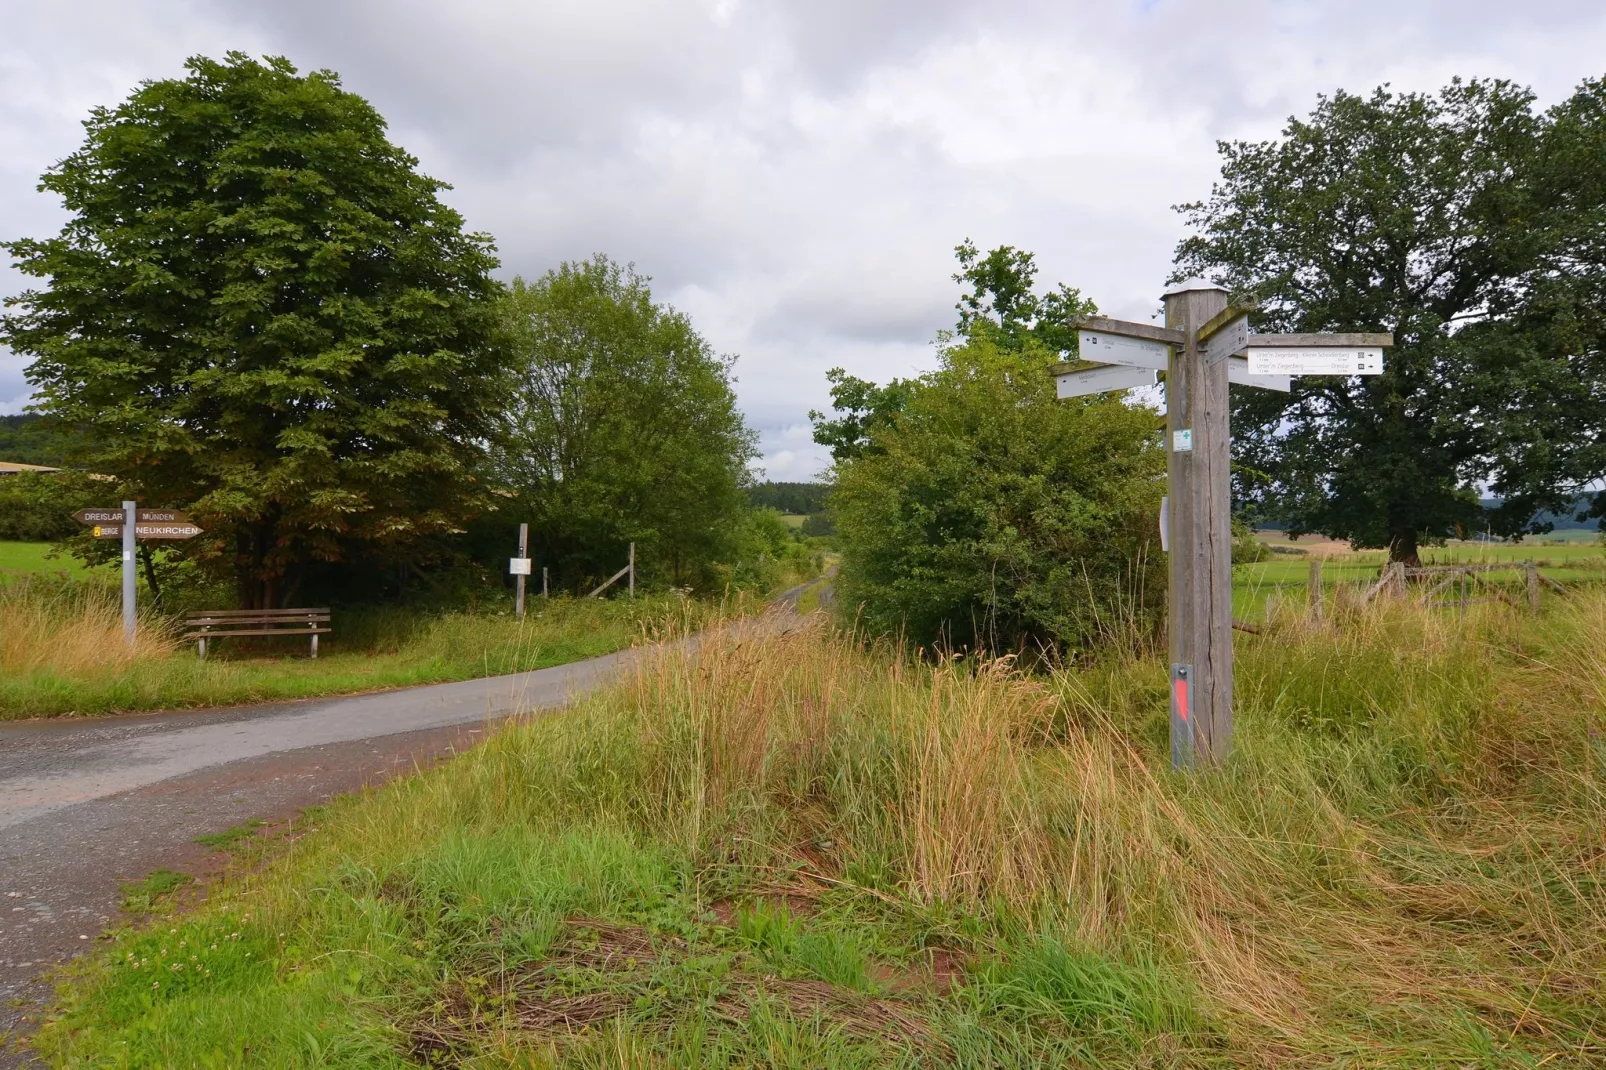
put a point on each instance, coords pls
(1204, 346)
(146, 524)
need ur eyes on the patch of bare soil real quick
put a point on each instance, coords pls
(596, 971)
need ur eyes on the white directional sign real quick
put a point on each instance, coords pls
(518, 566)
(1320, 360)
(1097, 380)
(1229, 340)
(1122, 349)
(1238, 372)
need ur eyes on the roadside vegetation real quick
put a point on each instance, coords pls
(793, 849)
(62, 650)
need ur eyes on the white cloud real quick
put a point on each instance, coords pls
(795, 176)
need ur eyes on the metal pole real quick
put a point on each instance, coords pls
(1201, 532)
(524, 547)
(632, 570)
(130, 613)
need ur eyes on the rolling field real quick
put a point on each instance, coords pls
(33, 557)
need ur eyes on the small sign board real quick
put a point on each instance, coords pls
(1182, 440)
(518, 566)
(1319, 360)
(1238, 372)
(1102, 377)
(92, 517)
(147, 531)
(1229, 340)
(1122, 349)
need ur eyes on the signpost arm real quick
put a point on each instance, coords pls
(130, 616)
(1201, 525)
(524, 546)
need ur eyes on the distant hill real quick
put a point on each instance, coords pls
(27, 440)
(799, 498)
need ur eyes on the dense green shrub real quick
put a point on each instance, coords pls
(988, 512)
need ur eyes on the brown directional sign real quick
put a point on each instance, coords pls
(148, 531)
(93, 517)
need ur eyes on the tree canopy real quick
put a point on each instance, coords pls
(1469, 225)
(622, 427)
(260, 311)
(1000, 303)
(975, 508)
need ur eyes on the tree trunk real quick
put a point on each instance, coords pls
(1402, 548)
(150, 573)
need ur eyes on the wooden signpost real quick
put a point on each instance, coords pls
(148, 524)
(519, 567)
(1204, 346)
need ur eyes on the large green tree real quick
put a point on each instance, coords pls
(621, 427)
(262, 312)
(1467, 223)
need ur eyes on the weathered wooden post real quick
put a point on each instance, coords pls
(543, 582)
(518, 580)
(1205, 345)
(1533, 586)
(632, 570)
(1198, 485)
(1316, 591)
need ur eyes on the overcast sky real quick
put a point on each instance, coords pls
(796, 175)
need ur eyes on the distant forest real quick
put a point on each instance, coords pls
(799, 498)
(26, 440)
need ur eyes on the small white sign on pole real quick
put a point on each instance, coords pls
(1122, 349)
(1101, 378)
(518, 566)
(1320, 360)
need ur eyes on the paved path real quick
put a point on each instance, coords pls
(87, 805)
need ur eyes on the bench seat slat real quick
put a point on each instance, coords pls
(248, 614)
(256, 620)
(294, 633)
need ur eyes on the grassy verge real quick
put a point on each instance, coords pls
(61, 651)
(785, 850)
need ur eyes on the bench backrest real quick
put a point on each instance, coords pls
(227, 617)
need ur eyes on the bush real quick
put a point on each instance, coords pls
(989, 512)
(38, 506)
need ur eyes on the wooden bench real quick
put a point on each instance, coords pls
(228, 622)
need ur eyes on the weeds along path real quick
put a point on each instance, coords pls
(87, 806)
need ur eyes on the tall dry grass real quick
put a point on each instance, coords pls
(1402, 861)
(72, 628)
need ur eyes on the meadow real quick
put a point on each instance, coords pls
(791, 848)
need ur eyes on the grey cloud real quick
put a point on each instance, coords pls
(795, 175)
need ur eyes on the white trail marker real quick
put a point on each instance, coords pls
(1205, 345)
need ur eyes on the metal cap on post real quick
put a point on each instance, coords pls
(1200, 524)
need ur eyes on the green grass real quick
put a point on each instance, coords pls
(788, 850)
(1287, 576)
(140, 897)
(35, 557)
(63, 654)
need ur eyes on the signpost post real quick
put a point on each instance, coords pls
(1205, 345)
(145, 524)
(520, 567)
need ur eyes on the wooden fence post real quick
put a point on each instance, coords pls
(1316, 587)
(632, 570)
(1533, 586)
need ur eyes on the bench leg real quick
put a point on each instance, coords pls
(315, 646)
(200, 648)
